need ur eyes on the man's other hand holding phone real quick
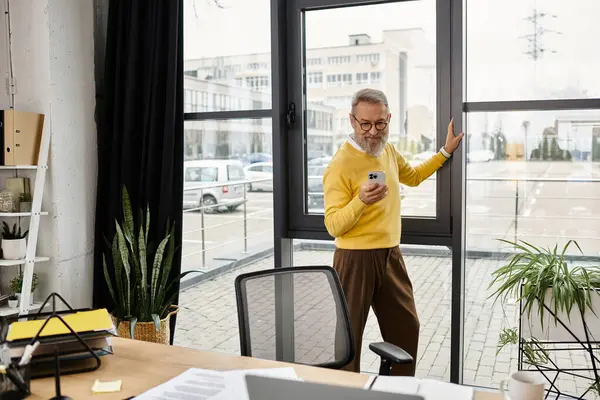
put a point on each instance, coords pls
(372, 192)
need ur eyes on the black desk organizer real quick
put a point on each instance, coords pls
(17, 385)
(50, 365)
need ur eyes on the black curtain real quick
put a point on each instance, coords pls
(139, 119)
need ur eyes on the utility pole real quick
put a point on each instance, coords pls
(536, 47)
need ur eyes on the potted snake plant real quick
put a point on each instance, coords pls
(138, 276)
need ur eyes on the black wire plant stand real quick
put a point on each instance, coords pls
(552, 370)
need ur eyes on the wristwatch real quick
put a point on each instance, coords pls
(445, 153)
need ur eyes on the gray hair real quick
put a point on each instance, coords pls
(371, 96)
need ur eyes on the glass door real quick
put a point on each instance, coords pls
(336, 48)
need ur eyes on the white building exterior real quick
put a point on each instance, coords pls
(402, 65)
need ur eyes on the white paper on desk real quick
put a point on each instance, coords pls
(193, 384)
(428, 388)
(201, 384)
(396, 384)
(235, 381)
(434, 390)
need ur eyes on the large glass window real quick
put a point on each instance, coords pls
(531, 167)
(226, 225)
(532, 172)
(532, 49)
(533, 177)
(227, 71)
(396, 55)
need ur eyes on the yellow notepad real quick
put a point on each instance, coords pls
(83, 321)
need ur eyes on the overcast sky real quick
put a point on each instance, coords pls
(497, 66)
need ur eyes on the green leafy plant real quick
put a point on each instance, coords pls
(12, 297)
(13, 234)
(507, 336)
(543, 277)
(532, 271)
(25, 197)
(16, 284)
(595, 388)
(533, 351)
(140, 293)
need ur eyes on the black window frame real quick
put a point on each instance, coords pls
(416, 230)
(451, 176)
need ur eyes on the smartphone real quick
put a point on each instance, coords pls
(377, 177)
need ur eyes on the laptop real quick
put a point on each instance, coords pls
(264, 388)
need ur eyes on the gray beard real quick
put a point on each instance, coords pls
(373, 149)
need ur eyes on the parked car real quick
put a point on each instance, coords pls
(320, 161)
(253, 158)
(315, 185)
(261, 170)
(200, 178)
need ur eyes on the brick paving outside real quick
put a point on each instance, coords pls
(208, 321)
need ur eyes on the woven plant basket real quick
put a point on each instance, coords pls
(146, 331)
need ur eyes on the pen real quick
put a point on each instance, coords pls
(29, 350)
(5, 355)
(372, 382)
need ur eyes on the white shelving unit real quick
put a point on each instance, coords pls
(28, 263)
(5, 311)
(20, 214)
(17, 167)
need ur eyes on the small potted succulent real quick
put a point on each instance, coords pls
(25, 200)
(13, 301)
(14, 245)
(16, 285)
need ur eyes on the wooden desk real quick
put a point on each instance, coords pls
(143, 365)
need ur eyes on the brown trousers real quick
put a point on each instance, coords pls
(378, 278)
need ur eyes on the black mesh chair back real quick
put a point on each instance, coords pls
(296, 315)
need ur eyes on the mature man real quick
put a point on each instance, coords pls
(364, 219)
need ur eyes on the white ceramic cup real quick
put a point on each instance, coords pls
(523, 385)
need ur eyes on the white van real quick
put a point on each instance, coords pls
(206, 174)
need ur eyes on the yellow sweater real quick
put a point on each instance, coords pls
(355, 225)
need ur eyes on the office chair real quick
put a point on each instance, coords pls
(314, 324)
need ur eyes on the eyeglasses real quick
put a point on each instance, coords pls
(366, 126)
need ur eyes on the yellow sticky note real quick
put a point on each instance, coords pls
(106, 387)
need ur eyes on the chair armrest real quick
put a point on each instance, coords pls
(391, 352)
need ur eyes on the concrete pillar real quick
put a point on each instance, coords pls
(51, 50)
